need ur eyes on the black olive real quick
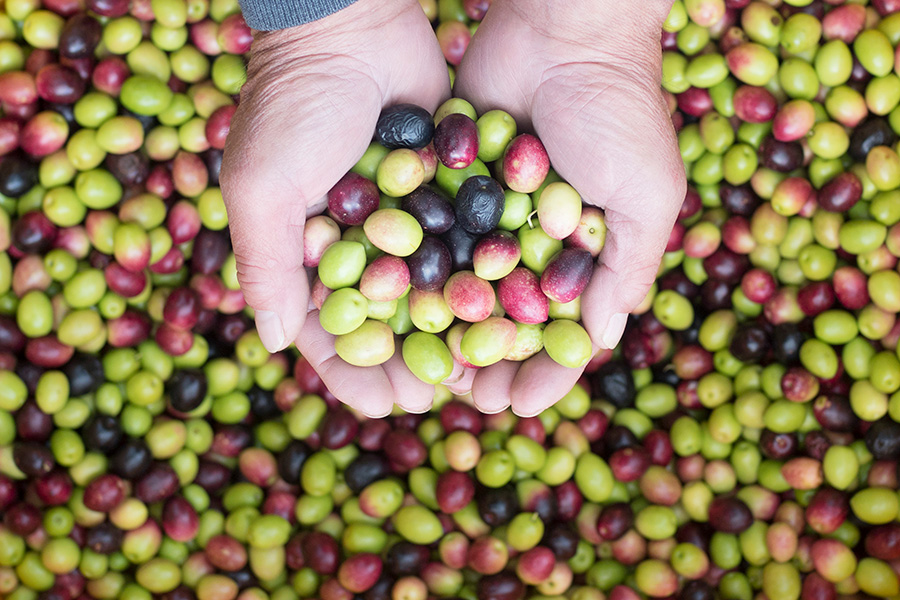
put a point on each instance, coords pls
(479, 204)
(786, 341)
(431, 208)
(883, 439)
(85, 374)
(102, 433)
(874, 132)
(461, 245)
(497, 505)
(243, 577)
(131, 460)
(130, 169)
(615, 383)
(80, 36)
(560, 538)
(739, 200)
(104, 538)
(750, 343)
(406, 558)
(618, 437)
(663, 374)
(33, 459)
(502, 586)
(365, 469)
(291, 459)
(834, 413)
(697, 590)
(404, 126)
(186, 389)
(262, 404)
(430, 265)
(17, 175)
(780, 156)
(212, 158)
(380, 591)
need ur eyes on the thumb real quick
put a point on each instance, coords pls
(267, 234)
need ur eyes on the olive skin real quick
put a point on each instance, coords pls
(404, 126)
(479, 204)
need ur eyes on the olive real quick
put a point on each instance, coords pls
(750, 343)
(777, 446)
(786, 341)
(697, 590)
(729, 515)
(17, 175)
(365, 469)
(461, 245)
(85, 374)
(883, 439)
(130, 169)
(429, 266)
(262, 404)
(186, 389)
(80, 36)
(614, 382)
(131, 460)
(102, 433)
(404, 126)
(291, 459)
(497, 506)
(739, 200)
(502, 586)
(780, 156)
(406, 558)
(104, 538)
(562, 539)
(33, 459)
(873, 132)
(479, 204)
(431, 208)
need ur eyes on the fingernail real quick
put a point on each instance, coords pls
(614, 330)
(271, 331)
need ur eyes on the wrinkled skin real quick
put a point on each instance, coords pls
(588, 87)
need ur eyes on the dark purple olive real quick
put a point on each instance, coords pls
(697, 590)
(479, 204)
(834, 413)
(780, 156)
(816, 444)
(85, 374)
(431, 208)
(729, 515)
(353, 199)
(502, 586)
(366, 468)
(615, 382)
(497, 506)
(381, 590)
(883, 439)
(131, 460)
(11, 337)
(290, 461)
(750, 343)
(841, 193)
(429, 266)
(211, 248)
(694, 533)
(883, 542)
(461, 245)
(212, 158)
(562, 539)
(104, 538)
(17, 175)
(739, 200)
(456, 141)
(614, 521)
(33, 233)
(567, 274)
(715, 294)
(157, 484)
(33, 459)
(786, 341)
(33, 424)
(80, 36)
(874, 132)
(212, 476)
(262, 404)
(130, 169)
(777, 446)
(102, 433)
(186, 389)
(727, 266)
(338, 429)
(406, 558)
(404, 126)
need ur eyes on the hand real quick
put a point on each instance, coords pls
(584, 75)
(307, 113)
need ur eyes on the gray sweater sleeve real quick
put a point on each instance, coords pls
(268, 15)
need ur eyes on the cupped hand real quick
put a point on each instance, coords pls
(306, 115)
(584, 75)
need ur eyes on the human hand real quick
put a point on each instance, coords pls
(585, 76)
(307, 113)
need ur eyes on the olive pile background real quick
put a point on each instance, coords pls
(742, 443)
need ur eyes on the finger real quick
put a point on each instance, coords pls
(540, 383)
(463, 386)
(492, 387)
(367, 389)
(410, 393)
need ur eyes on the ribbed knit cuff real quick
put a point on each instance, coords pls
(268, 15)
